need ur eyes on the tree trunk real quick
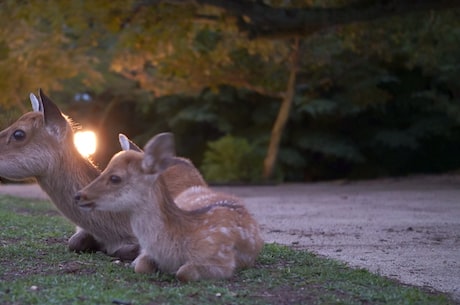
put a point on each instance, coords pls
(283, 115)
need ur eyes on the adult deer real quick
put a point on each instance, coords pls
(205, 243)
(40, 145)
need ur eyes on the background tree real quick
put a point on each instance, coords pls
(350, 56)
(37, 50)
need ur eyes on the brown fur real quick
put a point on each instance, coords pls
(48, 154)
(205, 243)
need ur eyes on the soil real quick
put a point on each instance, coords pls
(407, 229)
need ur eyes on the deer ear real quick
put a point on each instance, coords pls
(127, 144)
(157, 153)
(55, 122)
(37, 105)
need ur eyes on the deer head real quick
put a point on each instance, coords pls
(27, 144)
(117, 188)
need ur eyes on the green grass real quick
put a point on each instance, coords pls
(36, 268)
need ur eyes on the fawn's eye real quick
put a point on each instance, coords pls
(115, 179)
(19, 135)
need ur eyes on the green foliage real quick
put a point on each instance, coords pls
(408, 128)
(206, 40)
(231, 159)
(316, 107)
(377, 97)
(196, 120)
(404, 132)
(36, 51)
(330, 145)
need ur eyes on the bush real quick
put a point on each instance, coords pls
(231, 159)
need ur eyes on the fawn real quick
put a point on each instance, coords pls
(40, 145)
(210, 242)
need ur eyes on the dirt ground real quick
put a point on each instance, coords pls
(407, 229)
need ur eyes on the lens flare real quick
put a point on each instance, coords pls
(86, 142)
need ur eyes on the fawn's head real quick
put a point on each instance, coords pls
(129, 176)
(27, 145)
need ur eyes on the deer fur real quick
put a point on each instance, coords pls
(40, 145)
(210, 242)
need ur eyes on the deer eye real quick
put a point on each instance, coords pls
(19, 135)
(115, 179)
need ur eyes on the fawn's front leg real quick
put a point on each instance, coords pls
(195, 272)
(144, 264)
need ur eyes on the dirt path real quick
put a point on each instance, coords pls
(407, 229)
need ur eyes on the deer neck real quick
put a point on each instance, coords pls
(64, 178)
(159, 216)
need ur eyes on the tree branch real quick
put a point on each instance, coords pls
(260, 20)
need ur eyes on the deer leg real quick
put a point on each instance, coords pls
(127, 252)
(83, 241)
(194, 272)
(144, 264)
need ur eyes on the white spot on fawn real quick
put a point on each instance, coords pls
(210, 240)
(225, 231)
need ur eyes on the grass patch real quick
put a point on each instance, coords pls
(36, 268)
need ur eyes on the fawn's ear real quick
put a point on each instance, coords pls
(55, 122)
(127, 144)
(37, 105)
(157, 152)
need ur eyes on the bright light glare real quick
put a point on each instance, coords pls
(86, 142)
